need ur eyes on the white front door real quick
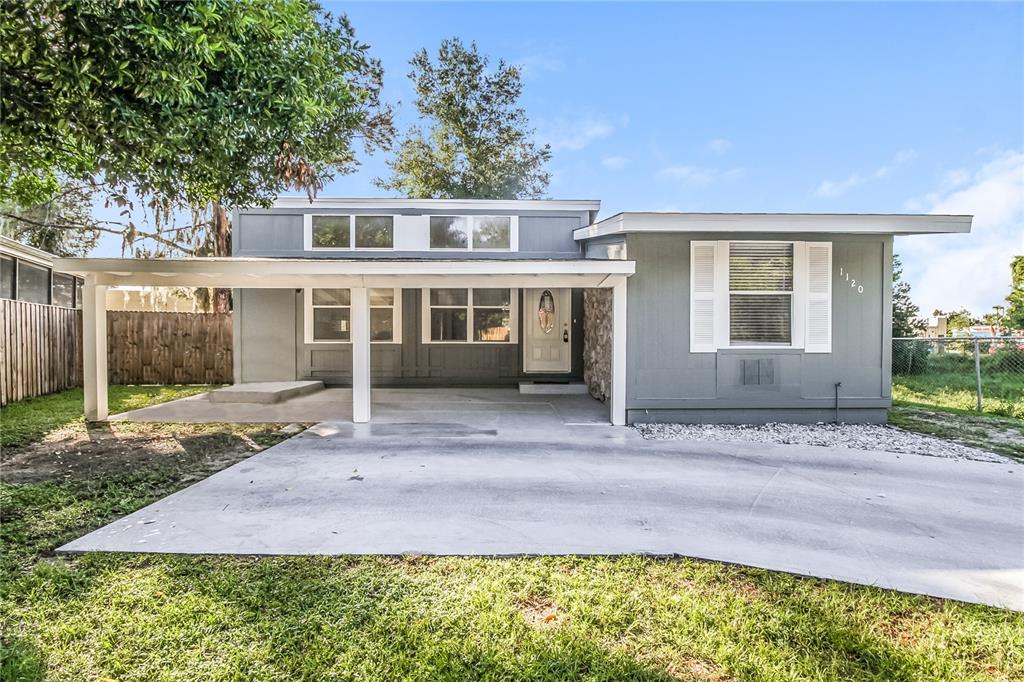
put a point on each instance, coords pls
(547, 322)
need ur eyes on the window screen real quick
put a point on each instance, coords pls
(63, 290)
(760, 293)
(6, 277)
(33, 283)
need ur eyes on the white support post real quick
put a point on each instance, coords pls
(619, 352)
(360, 324)
(94, 351)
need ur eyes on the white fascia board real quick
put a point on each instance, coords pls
(10, 247)
(283, 272)
(303, 202)
(804, 223)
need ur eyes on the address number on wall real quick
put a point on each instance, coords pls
(851, 280)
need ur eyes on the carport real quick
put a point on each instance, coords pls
(357, 275)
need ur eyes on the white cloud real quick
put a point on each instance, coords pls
(835, 188)
(573, 134)
(533, 65)
(699, 175)
(972, 270)
(614, 162)
(719, 145)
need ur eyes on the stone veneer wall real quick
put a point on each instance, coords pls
(597, 342)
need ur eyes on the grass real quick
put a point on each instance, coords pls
(145, 617)
(27, 421)
(1004, 435)
(947, 382)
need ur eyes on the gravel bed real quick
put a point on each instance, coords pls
(857, 436)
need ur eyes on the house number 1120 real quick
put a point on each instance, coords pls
(852, 281)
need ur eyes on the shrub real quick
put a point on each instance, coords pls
(909, 357)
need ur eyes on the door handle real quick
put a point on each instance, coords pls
(565, 336)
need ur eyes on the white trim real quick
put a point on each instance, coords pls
(94, 350)
(619, 327)
(796, 308)
(513, 312)
(303, 202)
(277, 273)
(360, 355)
(307, 317)
(835, 223)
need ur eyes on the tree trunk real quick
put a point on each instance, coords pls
(221, 248)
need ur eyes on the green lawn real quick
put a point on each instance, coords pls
(947, 382)
(29, 420)
(136, 617)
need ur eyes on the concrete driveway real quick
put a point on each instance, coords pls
(920, 524)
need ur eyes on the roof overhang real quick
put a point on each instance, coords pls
(304, 202)
(285, 273)
(825, 223)
(10, 247)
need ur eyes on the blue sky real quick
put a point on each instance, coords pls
(761, 107)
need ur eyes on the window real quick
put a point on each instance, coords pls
(375, 232)
(33, 283)
(469, 316)
(6, 277)
(760, 293)
(448, 232)
(329, 315)
(482, 233)
(344, 231)
(63, 290)
(331, 231)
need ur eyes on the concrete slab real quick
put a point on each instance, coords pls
(570, 388)
(473, 408)
(264, 392)
(919, 524)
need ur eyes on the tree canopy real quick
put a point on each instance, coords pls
(477, 142)
(181, 105)
(1015, 311)
(905, 320)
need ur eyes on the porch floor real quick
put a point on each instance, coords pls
(483, 411)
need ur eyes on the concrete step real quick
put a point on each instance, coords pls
(552, 388)
(265, 392)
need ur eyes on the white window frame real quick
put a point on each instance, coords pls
(513, 313)
(720, 300)
(396, 317)
(307, 232)
(513, 234)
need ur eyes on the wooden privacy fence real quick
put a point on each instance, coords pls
(168, 348)
(41, 350)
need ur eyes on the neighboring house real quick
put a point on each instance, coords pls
(670, 316)
(27, 274)
(937, 327)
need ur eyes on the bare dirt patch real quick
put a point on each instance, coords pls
(541, 613)
(72, 454)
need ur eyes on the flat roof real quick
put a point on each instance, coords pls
(834, 223)
(302, 201)
(327, 272)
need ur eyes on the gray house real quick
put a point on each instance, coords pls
(667, 316)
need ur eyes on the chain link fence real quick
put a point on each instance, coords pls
(974, 374)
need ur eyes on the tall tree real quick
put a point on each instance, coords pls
(957, 319)
(1014, 318)
(190, 107)
(905, 320)
(478, 142)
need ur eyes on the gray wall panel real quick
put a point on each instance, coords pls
(265, 342)
(664, 375)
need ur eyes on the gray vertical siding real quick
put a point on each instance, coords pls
(270, 346)
(264, 340)
(278, 232)
(664, 378)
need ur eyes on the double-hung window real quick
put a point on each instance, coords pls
(760, 293)
(469, 315)
(345, 232)
(329, 315)
(471, 233)
(757, 294)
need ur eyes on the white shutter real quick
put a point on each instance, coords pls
(702, 297)
(818, 321)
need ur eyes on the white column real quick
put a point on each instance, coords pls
(619, 352)
(360, 325)
(94, 351)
